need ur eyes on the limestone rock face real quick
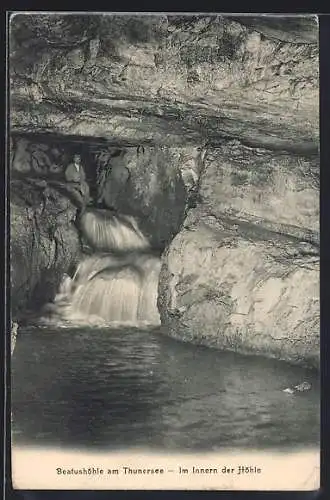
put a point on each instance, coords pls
(274, 189)
(44, 244)
(242, 288)
(243, 273)
(166, 79)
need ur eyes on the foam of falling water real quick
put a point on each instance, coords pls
(65, 288)
(113, 295)
(106, 231)
(112, 288)
(149, 290)
(116, 291)
(94, 264)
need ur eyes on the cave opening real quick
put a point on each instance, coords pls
(46, 156)
(130, 179)
(132, 207)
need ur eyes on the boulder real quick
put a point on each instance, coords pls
(234, 287)
(243, 272)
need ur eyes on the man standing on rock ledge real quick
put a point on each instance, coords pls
(76, 177)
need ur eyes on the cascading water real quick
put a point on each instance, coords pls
(108, 232)
(118, 283)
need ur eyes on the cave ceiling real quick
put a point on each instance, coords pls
(167, 80)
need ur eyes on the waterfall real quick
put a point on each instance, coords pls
(118, 283)
(106, 231)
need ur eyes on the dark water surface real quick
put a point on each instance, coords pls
(120, 388)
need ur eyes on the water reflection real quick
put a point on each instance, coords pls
(130, 387)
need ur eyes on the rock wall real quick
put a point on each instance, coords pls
(243, 273)
(166, 79)
(44, 243)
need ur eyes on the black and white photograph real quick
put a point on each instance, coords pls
(163, 178)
